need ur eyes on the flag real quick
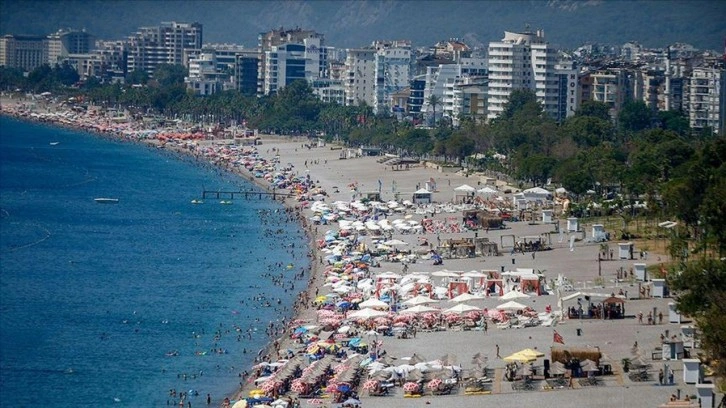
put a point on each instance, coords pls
(558, 338)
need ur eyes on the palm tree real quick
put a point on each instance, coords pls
(434, 100)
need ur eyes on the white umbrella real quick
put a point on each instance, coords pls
(373, 302)
(511, 305)
(389, 275)
(474, 274)
(465, 297)
(366, 314)
(511, 295)
(419, 300)
(419, 309)
(395, 242)
(465, 188)
(446, 274)
(487, 191)
(461, 309)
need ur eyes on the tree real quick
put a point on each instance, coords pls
(137, 77)
(700, 288)
(594, 109)
(634, 117)
(520, 99)
(434, 100)
(169, 74)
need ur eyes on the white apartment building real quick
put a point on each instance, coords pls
(393, 70)
(360, 77)
(442, 81)
(163, 44)
(610, 86)
(522, 61)
(707, 98)
(286, 63)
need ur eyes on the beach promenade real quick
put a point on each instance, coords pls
(347, 179)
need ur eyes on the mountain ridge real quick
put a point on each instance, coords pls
(348, 23)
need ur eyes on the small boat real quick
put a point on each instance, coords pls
(197, 202)
(226, 202)
(54, 143)
(103, 200)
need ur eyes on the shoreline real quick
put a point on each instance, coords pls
(312, 269)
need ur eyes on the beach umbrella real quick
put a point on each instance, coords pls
(419, 300)
(434, 384)
(474, 274)
(415, 359)
(395, 242)
(558, 368)
(514, 294)
(461, 309)
(465, 297)
(419, 309)
(446, 274)
(366, 314)
(511, 305)
(370, 385)
(465, 188)
(240, 404)
(410, 387)
(519, 358)
(532, 352)
(373, 303)
(389, 275)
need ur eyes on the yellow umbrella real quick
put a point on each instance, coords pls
(531, 352)
(520, 358)
(257, 393)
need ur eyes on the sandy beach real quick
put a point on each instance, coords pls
(345, 180)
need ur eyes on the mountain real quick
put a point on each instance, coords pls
(567, 23)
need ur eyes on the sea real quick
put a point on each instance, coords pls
(116, 305)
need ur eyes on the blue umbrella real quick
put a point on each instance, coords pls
(343, 305)
(343, 388)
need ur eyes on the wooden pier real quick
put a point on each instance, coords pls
(247, 195)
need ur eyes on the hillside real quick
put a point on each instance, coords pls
(567, 23)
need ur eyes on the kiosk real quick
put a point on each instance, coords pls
(547, 216)
(572, 224)
(625, 250)
(640, 272)
(598, 233)
(673, 315)
(660, 289)
(692, 371)
(705, 395)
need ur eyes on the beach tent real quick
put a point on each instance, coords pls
(419, 309)
(519, 358)
(487, 191)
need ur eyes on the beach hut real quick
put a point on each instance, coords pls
(625, 250)
(660, 289)
(547, 216)
(572, 225)
(640, 272)
(422, 196)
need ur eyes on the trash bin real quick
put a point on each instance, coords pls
(579, 331)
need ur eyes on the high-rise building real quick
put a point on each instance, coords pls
(163, 44)
(360, 78)
(25, 52)
(393, 71)
(707, 98)
(279, 37)
(65, 42)
(522, 61)
(289, 62)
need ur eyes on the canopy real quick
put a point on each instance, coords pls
(487, 191)
(511, 305)
(614, 299)
(531, 352)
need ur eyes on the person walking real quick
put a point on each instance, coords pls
(661, 375)
(497, 346)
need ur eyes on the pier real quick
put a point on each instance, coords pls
(247, 195)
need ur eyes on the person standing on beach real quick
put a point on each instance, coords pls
(497, 346)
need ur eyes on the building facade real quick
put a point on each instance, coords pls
(66, 42)
(522, 61)
(164, 44)
(26, 52)
(706, 98)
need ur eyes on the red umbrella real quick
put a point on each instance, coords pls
(434, 384)
(410, 387)
(370, 385)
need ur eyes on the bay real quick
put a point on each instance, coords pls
(93, 296)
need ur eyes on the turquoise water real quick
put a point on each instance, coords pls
(93, 296)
